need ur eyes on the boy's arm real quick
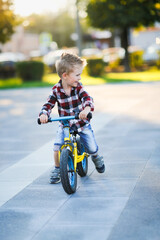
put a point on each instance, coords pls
(47, 107)
(83, 114)
(86, 99)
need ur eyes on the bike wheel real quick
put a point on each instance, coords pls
(68, 176)
(82, 167)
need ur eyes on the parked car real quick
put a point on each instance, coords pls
(91, 52)
(12, 57)
(7, 63)
(151, 53)
(112, 54)
(50, 58)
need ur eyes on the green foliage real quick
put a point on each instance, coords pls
(30, 70)
(136, 59)
(114, 64)
(95, 67)
(123, 14)
(158, 60)
(7, 20)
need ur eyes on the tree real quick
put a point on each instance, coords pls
(7, 20)
(123, 15)
(61, 26)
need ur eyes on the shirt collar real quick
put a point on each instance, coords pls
(61, 87)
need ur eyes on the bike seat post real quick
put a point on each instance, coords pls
(74, 137)
(74, 132)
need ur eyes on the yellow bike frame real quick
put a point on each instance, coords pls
(67, 144)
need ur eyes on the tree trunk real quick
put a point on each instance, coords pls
(125, 44)
(78, 31)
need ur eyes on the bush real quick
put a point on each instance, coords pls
(30, 70)
(136, 59)
(7, 69)
(114, 65)
(95, 67)
(158, 60)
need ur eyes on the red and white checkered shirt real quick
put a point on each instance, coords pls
(68, 105)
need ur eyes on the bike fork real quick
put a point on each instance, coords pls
(75, 154)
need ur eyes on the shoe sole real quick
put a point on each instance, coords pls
(101, 170)
(58, 181)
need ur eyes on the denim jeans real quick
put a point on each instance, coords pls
(86, 135)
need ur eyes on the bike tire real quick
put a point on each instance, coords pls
(68, 176)
(82, 167)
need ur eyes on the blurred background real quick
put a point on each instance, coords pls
(113, 37)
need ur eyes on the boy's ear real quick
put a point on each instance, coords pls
(64, 75)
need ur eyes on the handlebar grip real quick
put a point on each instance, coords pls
(89, 116)
(38, 121)
(77, 115)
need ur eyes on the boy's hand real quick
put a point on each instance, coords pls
(43, 118)
(84, 113)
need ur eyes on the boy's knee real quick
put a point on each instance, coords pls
(92, 151)
(56, 147)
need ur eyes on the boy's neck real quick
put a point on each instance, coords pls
(66, 87)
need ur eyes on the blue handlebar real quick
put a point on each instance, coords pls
(61, 118)
(65, 118)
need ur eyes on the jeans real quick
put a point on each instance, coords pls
(86, 136)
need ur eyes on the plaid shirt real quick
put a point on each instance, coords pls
(68, 105)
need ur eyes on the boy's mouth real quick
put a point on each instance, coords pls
(75, 83)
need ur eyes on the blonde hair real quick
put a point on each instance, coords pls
(67, 63)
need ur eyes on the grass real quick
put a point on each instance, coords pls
(48, 80)
(51, 79)
(147, 76)
(86, 80)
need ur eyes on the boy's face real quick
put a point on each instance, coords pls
(72, 79)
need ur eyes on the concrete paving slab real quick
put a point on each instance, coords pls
(141, 215)
(47, 198)
(8, 189)
(154, 161)
(108, 187)
(133, 142)
(91, 213)
(78, 232)
(24, 172)
(125, 169)
(130, 154)
(23, 223)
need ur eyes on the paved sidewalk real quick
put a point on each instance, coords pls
(121, 204)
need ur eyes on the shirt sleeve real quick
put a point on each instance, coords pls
(85, 98)
(47, 107)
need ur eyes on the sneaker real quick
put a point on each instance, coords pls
(55, 176)
(99, 163)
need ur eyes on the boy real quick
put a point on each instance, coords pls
(70, 97)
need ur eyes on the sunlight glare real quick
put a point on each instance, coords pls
(25, 8)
